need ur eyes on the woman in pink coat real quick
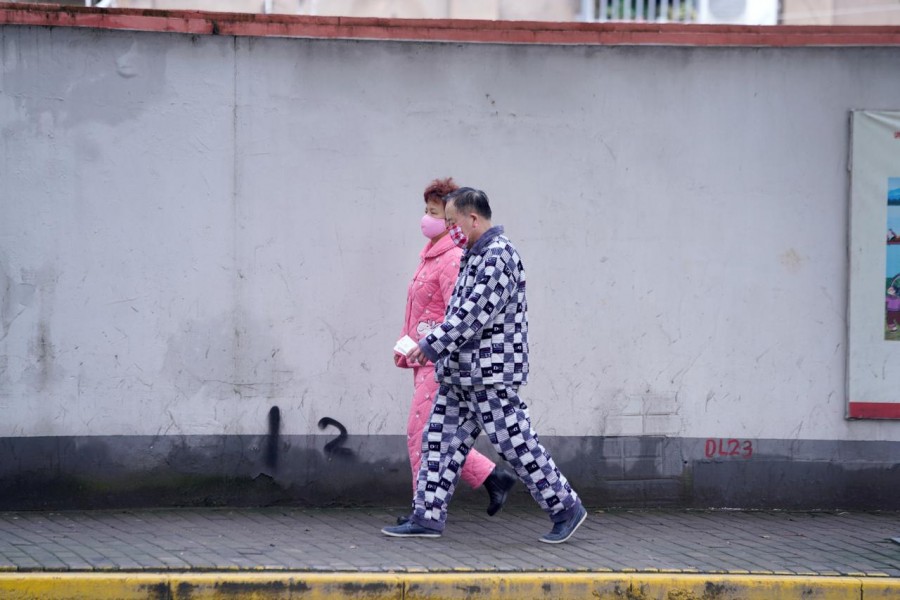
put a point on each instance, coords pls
(427, 298)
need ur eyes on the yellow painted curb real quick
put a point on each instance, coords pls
(450, 586)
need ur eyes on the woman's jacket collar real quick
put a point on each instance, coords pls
(443, 245)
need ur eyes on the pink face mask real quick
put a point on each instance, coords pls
(432, 226)
(458, 237)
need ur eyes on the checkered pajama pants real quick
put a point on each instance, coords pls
(456, 420)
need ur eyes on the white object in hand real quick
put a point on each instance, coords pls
(404, 345)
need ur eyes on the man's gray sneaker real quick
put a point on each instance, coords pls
(410, 529)
(563, 530)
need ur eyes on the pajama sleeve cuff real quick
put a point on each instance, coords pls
(428, 350)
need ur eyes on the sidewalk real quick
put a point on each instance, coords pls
(340, 553)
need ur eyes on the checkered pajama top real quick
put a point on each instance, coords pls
(483, 340)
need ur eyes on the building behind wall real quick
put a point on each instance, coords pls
(840, 12)
(540, 10)
(748, 12)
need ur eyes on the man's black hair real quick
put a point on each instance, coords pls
(467, 199)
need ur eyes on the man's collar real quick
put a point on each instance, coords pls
(486, 238)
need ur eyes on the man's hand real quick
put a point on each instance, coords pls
(416, 356)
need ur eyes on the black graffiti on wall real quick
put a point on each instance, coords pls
(272, 444)
(335, 448)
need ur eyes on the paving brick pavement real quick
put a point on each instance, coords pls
(348, 540)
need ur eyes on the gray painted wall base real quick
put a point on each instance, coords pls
(147, 471)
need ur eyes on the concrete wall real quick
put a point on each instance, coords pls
(199, 229)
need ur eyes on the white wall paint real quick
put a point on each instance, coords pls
(195, 229)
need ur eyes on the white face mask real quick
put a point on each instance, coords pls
(432, 226)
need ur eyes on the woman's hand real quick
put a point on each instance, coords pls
(416, 356)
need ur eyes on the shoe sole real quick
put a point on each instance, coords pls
(571, 533)
(410, 535)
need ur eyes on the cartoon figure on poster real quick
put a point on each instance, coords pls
(892, 276)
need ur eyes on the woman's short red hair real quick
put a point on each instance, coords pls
(440, 188)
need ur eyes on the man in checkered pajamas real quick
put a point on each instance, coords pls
(480, 353)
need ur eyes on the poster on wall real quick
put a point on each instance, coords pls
(892, 260)
(874, 302)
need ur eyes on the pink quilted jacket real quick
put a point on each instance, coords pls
(430, 289)
(426, 303)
